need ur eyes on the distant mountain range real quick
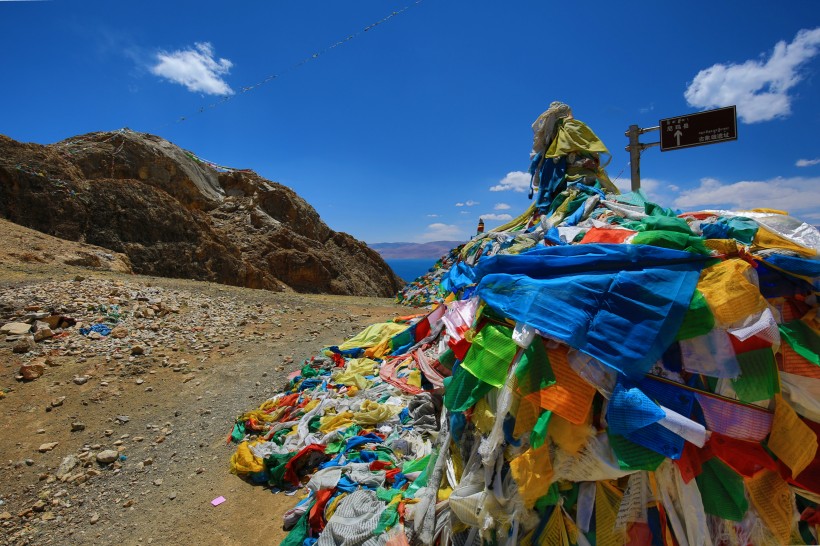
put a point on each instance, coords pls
(414, 251)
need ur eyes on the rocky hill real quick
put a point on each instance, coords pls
(174, 215)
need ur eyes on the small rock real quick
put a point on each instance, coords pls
(29, 462)
(148, 462)
(108, 456)
(123, 419)
(48, 446)
(39, 506)
(57, 402)
(24, 345)
(80, 380)
(32, 371)
(5, 516)
(158, 482)
(172, 496)
(95, 517)
(15, 328)
(43, 333)
(137, 350)
(108, 432)
(128, 504)
(68, 464)
(119, 332)
(76, 427)
(139, 381)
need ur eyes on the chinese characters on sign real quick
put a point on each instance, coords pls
(708, 127)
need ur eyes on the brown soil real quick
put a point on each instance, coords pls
(183, 418)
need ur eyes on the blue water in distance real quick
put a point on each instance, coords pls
(409, 270)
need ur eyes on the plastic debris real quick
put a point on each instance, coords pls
(100, 328)
(600, 370)
(217, 501)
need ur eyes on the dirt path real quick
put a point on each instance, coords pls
(167, 411)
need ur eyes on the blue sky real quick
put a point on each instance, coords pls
(412, 130)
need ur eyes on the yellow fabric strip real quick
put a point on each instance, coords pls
(791, 439)
(727, 290)
(532, 471)
(772, 499)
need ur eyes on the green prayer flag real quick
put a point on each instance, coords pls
(666, 223)
(632, 456)
(802, 339)
(275, 465)
(673, 240)
(722, 490)
(654, 209)
(491, 354)
(550, 499)
(533, 372)
(299, 533)
(463, 390)
(698, 319)
(238, 432)
(758, 376)
(539, 431)
(389, 518)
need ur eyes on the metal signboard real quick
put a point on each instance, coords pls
(709, 127)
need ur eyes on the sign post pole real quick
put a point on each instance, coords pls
(635, 148)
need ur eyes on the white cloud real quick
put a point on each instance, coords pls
(515, 181)
(465, 212)
(195, 68)
(434, 216)
(759, 88)
(442, 232)
(794, 195)
(469, 203)
(807, 162)
(501, 206)
(497, 217)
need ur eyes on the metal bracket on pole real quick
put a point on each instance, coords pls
(635, 148)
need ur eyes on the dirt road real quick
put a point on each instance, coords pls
(204, 354)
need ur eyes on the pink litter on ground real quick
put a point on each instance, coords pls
(217, 501)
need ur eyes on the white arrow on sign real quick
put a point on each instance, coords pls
(678, 134)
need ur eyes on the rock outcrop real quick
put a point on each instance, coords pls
(176, 216)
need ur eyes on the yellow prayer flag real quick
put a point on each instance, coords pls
(729, 293)
(529, 408)
(555, 532)
(532, 471)
(791, 439)
(772, 499)
(607, 503)
(768, 239)
(569, 436)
